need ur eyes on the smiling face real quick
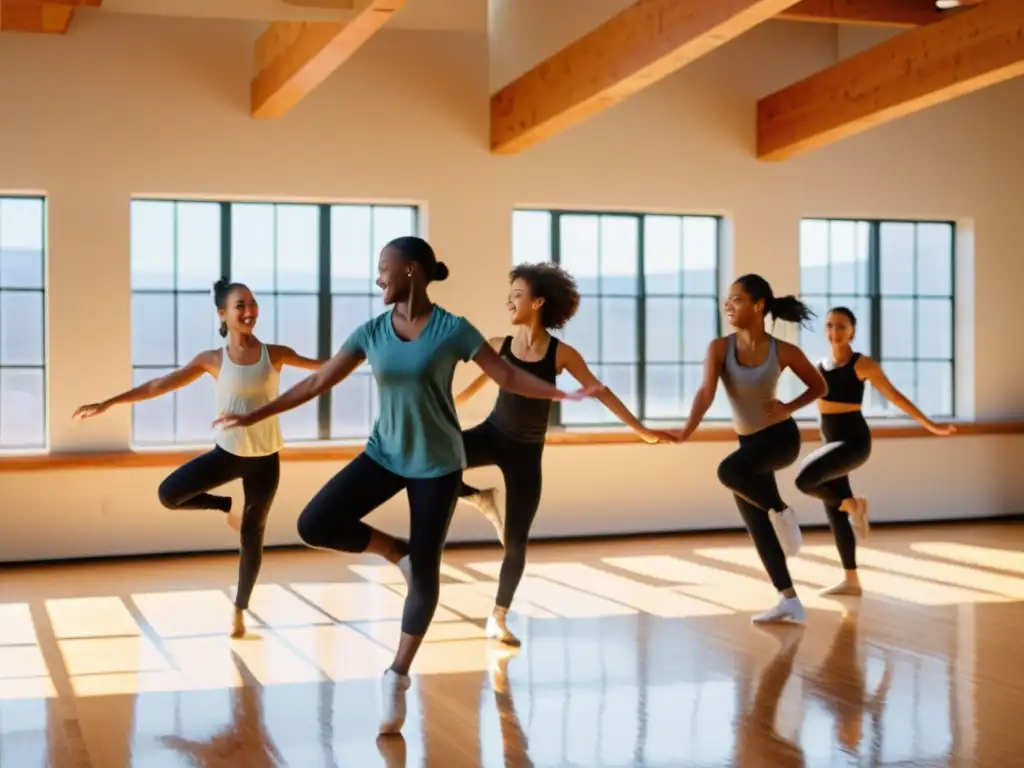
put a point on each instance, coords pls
(240, 311)
(740, 310)
(839, 329)
(522, 306)
(394, 275)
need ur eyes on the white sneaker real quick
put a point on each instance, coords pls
(392, 688)
(487, 502)
(788, 531)
(788, 609)
(405, 566)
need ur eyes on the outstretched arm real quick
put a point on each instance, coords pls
(204, 362)
(281, 356)
(331, 373)
(572, 361)
(514, 379)
(705, 394)
(872, 371)
(479, 382)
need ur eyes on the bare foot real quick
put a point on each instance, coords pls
(238, 624)
(848, 586)
(497, 628)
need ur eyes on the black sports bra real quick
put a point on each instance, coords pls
(843, 384)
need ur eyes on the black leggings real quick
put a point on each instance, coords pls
(520, 465)
(333, 520)
(749, 472)
(825, 474)
(187, 486)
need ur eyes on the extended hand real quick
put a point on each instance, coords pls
(776, 410)
(942, 429)
(88, 411)
(584, 392)
(655, 436)
(231, 420)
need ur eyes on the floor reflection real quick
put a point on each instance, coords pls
(636, 653)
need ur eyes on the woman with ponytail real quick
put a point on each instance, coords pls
(749, 363)
(247, 373)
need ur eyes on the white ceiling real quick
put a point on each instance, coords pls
(457, 15)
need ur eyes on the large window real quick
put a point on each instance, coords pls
(649, 303)
(313, 270)
(898, 278)
(22, 323)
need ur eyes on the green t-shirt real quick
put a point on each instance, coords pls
(417, 434)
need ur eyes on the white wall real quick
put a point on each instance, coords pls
(127, 106)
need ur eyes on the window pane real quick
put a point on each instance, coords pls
(298, 322)
(351, 406)
(620, 258)
(531, 237)
(195, 409)
(348, 313)
(21, 243)
(901, 374)
(896, 258)
(814, 256)
(700, 326)
(935, 259)
(621, 379)
(664, 391)
(298, 248)
(353, 261)
(198, 245)
(812, 340)
(302, 423)
(618, 330)
(934, 328)
(252, 245)
(898, 327)
(22, 408)
(197, 327)
(700, 255)
(267, 326)
(21, 328)
(579, 250)
(861, 308)
(152, 244)
(663, 254)
(664, 330)
(936, 397)
(152, 420)
(389, 222)
(583, 331)
(153, 329)
(847, 252)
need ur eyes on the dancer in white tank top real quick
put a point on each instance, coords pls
(247, 374)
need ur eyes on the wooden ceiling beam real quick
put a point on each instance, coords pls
(918, 69)
(889, 13)
(641, 45)
(294, 57)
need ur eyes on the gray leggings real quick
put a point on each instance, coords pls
(825, 474)
(188, 487)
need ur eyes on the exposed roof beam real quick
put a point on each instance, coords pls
(918, 69)
(892, 13)
(641, 45)
(48, 18)
(294, 57)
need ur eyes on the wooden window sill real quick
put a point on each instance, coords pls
(341, 452)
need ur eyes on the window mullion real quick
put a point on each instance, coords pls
(324, 318)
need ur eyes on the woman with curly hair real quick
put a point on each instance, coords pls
(543, 297)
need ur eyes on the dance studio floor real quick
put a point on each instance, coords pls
(636, 653)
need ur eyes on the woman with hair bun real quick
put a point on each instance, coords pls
(247, 372)
(416, 444)
(749, 362)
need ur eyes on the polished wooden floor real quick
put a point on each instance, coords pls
(636, 653)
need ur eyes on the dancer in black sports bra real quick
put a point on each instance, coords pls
(542, 297)
(825, 472)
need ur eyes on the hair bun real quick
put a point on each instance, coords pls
(440, 271)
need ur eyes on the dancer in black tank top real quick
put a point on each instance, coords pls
(825, 472)
(542, 297)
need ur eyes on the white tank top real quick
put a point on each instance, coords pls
(244, 388)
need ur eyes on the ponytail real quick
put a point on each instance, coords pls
(787, 308)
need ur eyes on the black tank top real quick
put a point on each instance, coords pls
(843, 384)
(525, 418)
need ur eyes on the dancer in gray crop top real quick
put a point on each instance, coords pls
(749, 363)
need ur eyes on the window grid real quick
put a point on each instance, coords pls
(323, 294)
(23, 410)
(641, 294)
(875, 296)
